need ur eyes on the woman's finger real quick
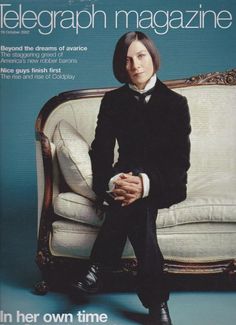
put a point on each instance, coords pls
(119, 198)
(125, 203)
(132, 179)
(128, 186)
(119, 191)
(128, 179)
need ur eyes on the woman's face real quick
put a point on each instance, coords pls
(139, 64)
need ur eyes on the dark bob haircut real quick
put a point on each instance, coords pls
(121, 49)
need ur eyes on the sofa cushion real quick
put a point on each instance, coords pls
(72, 152)
(199, 209)
(221, 209)
(78, 208)
(198, 242)
(194, 243)
(211, 199)
(73, 239)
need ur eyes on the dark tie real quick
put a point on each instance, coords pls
(141, 97)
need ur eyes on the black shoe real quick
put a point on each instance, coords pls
(159, 315)
(91, 283)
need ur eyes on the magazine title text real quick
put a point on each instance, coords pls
(161, 21)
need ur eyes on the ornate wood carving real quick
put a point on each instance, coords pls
(218, 78)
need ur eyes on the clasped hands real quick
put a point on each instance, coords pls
(128, 188)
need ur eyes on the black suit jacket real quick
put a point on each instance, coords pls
(153, 139)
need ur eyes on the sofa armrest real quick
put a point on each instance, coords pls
(44, 163)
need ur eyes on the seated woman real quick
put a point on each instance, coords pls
(152, 125)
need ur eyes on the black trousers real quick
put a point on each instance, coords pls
(137, 222)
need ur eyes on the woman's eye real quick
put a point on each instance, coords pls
(141, 56)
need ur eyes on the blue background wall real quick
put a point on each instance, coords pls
(183, 53)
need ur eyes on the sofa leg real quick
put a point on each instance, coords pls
(232, 280)
(41, 288)
(231, 275)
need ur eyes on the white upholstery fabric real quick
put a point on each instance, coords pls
(213, 144)
(193, 210)
(199, 209)
(80, 113)
(193, 243)
(72, 152)
(78, 208)
(202, 242)
(74, 239)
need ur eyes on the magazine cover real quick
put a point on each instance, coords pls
(118, 162)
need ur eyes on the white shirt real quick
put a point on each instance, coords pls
(150, 84)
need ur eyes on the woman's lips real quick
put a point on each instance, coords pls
(138, 74)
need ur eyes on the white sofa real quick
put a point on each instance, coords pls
(195, 236)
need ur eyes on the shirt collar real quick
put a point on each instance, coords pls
(150, 84)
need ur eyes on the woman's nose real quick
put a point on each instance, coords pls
(136, 63)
